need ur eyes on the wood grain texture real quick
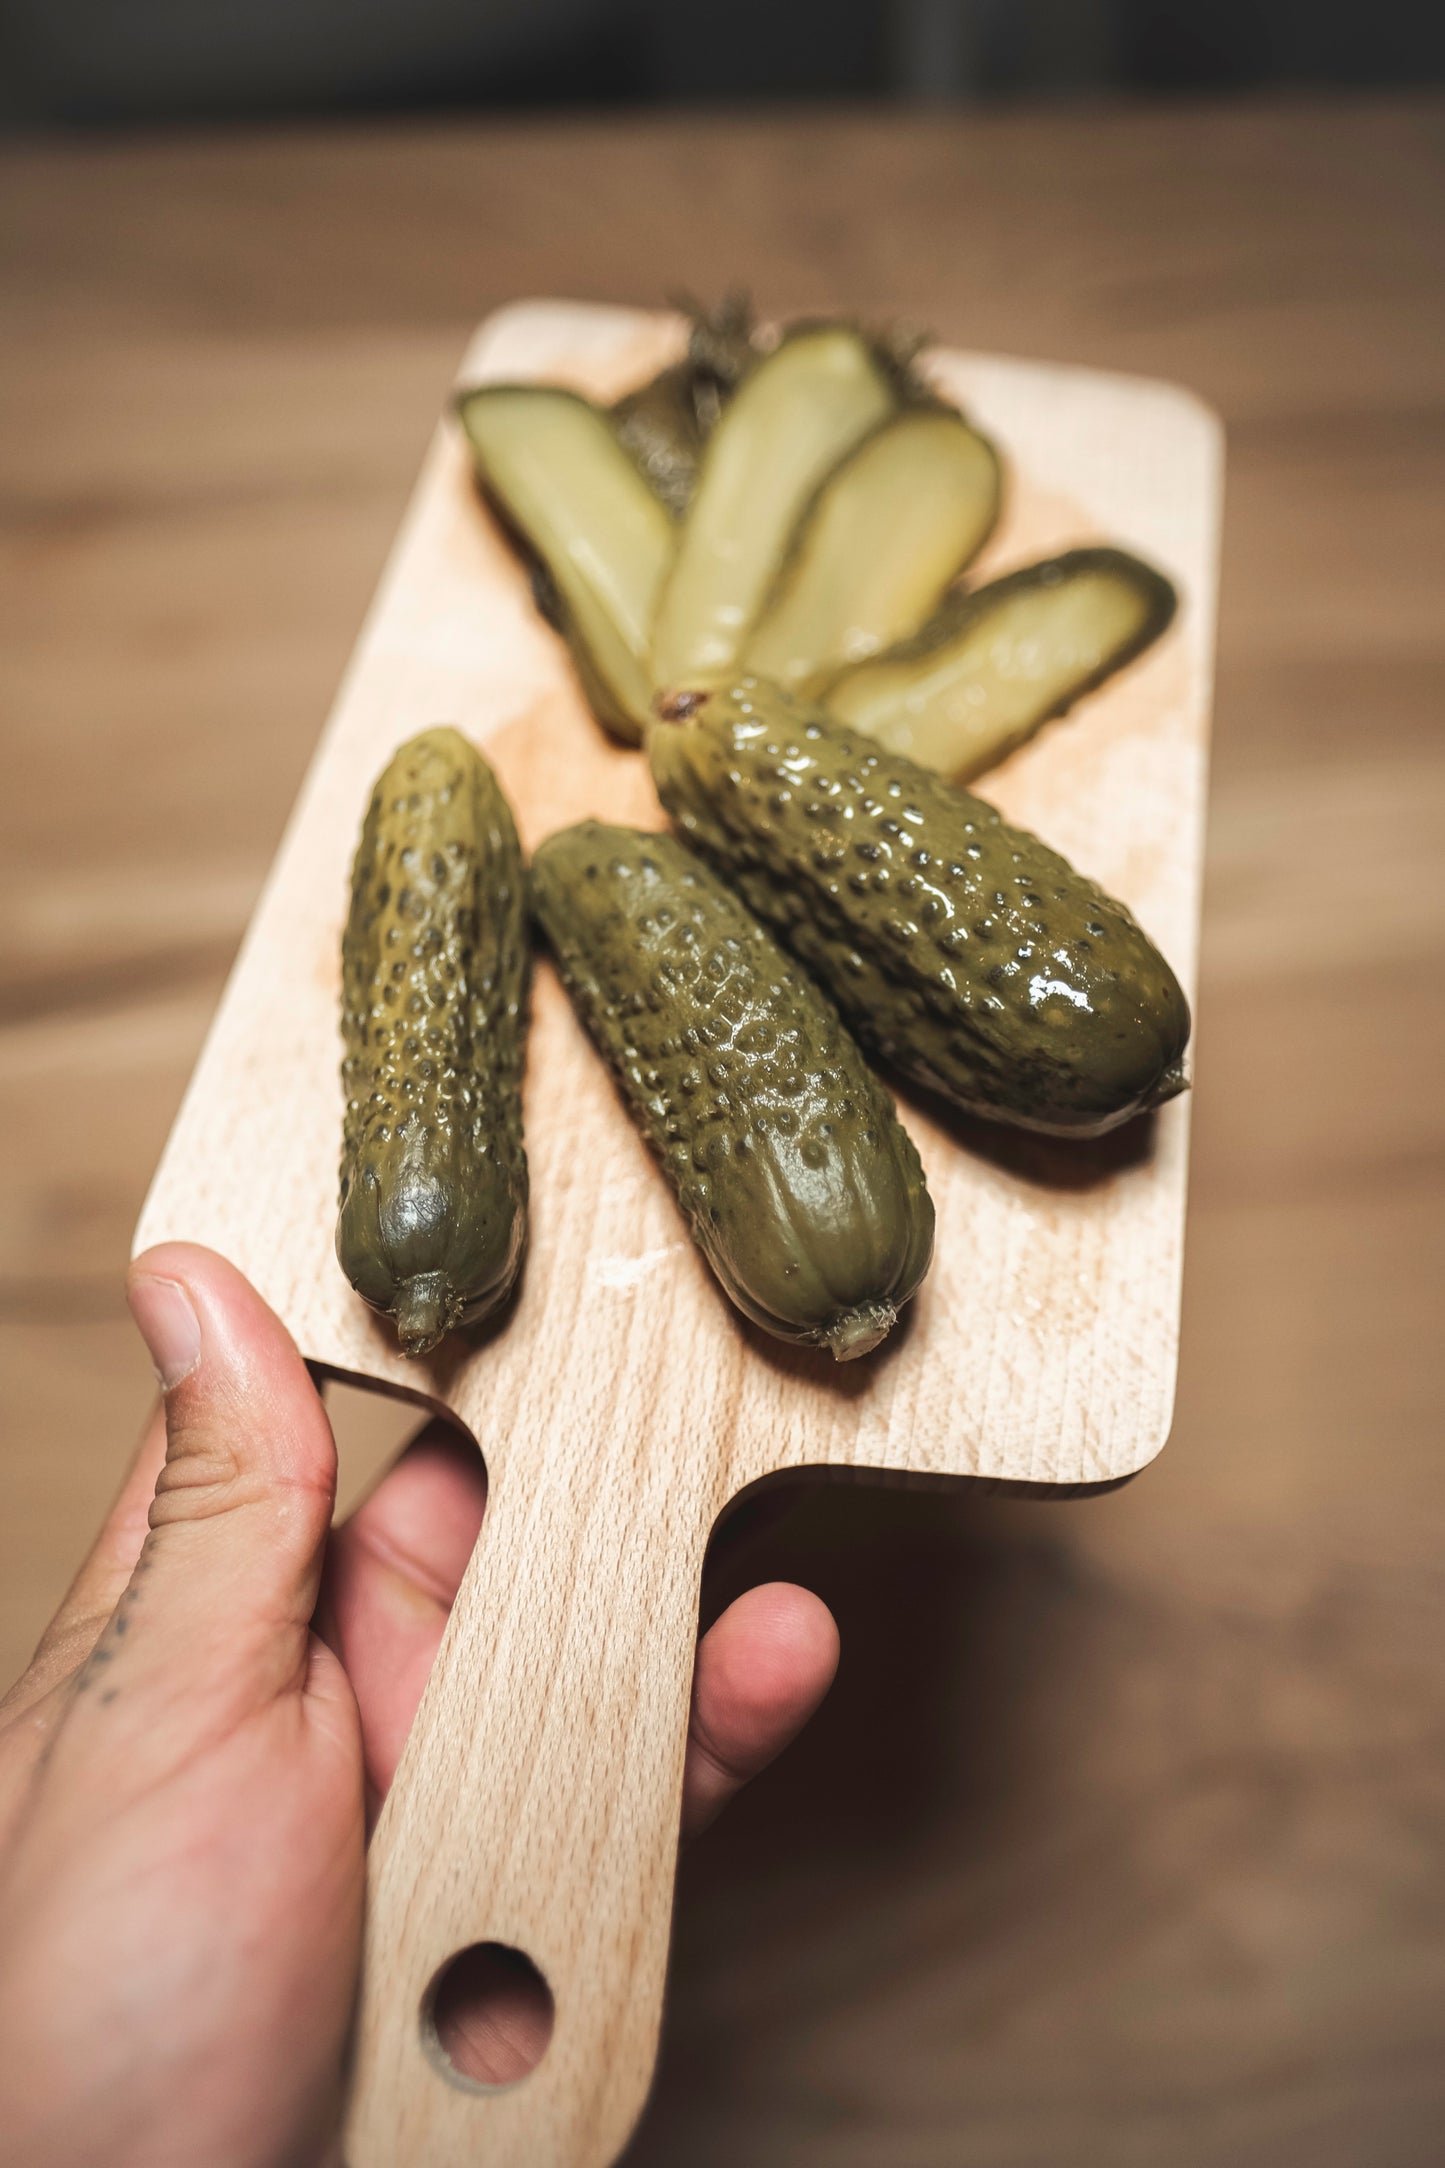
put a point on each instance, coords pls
(1119, 1843)
(624, 1402)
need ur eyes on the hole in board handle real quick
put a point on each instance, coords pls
(487, 2017)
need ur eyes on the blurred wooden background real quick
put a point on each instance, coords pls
(1122, 1841)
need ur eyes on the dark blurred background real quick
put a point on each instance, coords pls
(93, 62)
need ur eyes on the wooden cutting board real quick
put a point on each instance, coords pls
(624, 1402)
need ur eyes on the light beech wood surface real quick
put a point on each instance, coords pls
(1119, 1838)
(623, 1403)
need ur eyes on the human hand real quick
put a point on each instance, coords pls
(187, 1767)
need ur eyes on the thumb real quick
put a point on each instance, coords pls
(228, 1574)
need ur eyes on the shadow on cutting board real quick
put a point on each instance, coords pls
(864, 1934)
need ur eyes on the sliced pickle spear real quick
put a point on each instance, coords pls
(552, 465)
(794, 416)
(887, 533)
(666, 422)
(992, 666)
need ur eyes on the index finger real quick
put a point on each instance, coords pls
(392, 1572)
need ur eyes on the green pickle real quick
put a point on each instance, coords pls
(598, 538)
(798, 1182)
(992, 666)
(971, 957)
(665, 423)
(434, 963)
(795, 415)
(891, 527)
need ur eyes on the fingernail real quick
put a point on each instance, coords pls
(169, 1327)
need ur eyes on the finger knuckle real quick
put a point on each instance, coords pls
(202, 1476)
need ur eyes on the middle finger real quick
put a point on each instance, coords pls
(392, 1571)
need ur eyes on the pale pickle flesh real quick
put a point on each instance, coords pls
(555, 467)
(887, 534)
(1000, 662)
(802, 409)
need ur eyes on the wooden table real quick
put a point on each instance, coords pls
(1121, 1841)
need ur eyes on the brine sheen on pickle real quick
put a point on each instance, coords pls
(964, 951)
(434, 966)
(798, 1182)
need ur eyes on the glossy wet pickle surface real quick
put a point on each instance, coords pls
(796, 1178)
(965, 951)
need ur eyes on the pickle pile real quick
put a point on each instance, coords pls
(757, 562)
(802, 512)
(799, 1184)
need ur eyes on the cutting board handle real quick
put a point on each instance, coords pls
(537, 1806)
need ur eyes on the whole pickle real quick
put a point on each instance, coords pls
(434, 961)
(799, 1184)
(970, 955)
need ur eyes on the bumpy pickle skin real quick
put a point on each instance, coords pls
(663, 432)
(665, 423)
(969, 955)
(796, 1178)
(887, 533)
(993, 666)
(434, 964)
(799, 411)
(565, 487)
